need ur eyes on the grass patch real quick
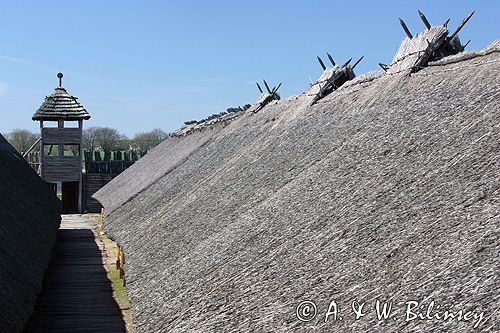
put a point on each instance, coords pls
(113, 272)
(119, 291)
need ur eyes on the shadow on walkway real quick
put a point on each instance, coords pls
(77, 295)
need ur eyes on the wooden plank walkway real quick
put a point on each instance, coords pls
(77, 295)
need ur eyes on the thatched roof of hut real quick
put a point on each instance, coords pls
(386, 189)
(61, 105)
(29, 216)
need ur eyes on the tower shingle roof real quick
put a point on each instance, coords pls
(61, 105)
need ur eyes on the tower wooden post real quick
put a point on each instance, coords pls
(61, 147)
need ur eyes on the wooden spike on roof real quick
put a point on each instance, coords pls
(405, 28)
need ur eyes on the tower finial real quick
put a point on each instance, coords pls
(60, 76)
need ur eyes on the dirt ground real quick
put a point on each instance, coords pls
(119, 291)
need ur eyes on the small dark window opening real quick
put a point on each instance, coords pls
(50, 150)
(71, 150)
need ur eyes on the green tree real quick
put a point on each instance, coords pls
(88, 139)
(147, 140)
(22, 140)
(104, 138)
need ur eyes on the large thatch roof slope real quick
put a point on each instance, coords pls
(29, 219)
(161, 160)
(385, 189)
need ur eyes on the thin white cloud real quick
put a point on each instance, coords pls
(41, 67)
(27, 63)
(4, 87)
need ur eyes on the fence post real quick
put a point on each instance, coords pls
(120, 263)
(102, 218)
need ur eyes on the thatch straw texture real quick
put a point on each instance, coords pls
(158, 162)
(61, 105)
(385, 189)
(414, 53)
(29, 216)
(466, 55)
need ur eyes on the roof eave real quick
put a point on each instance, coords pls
(59, 117)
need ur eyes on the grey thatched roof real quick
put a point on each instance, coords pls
(61, 105)
(29, 219)
(385, 189)
(415, 52)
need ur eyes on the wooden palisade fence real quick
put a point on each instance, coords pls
(112, 162)
(100, 169)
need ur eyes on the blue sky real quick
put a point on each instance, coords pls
(139, 65)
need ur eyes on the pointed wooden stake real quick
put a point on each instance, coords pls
(331, 59)
(405, 28)
(275, 89)
(258, 86)
(424, 19)
(267, 87)
(357, 62)
(321, 63)
(461, 25)
(346, 63)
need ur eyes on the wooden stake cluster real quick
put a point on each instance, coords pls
(332, 78)
(415, 53)
(266, 98)
(433, 44)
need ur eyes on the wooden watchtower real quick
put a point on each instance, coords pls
(61, 122)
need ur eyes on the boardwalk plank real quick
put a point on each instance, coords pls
(77, 295)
